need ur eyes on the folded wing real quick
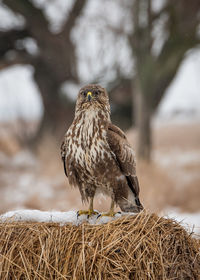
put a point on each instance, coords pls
(124, 155)
(63, 156)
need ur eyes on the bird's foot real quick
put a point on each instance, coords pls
(108, 214)
(89, 213)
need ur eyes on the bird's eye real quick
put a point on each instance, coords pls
(96, 93)
(84, 93)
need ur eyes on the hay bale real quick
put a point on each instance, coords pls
(132, 247)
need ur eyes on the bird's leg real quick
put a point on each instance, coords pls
(111, 212)
(91, 208)
(90, 211)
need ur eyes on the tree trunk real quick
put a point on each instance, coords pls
(58, 111)
(144, 129)
(143, 114)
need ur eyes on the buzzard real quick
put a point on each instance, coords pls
(97, 156)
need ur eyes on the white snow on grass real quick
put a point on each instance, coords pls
(175, 161)
(177, 157)
(55, 217)
(190, 221)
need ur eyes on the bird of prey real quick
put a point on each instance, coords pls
(97, 156)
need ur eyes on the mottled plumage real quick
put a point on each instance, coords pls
(96, 154)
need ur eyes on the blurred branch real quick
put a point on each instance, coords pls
(135, 11)
(20, 57)
(27, 10)
(8, 44)
(133, 37)
(73, 15)
(156, 15)
(36, 23)
(181, 38)
(149, 24)
(8, 39)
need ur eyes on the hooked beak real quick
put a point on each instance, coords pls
(89, 95)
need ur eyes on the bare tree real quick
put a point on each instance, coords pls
(155, 69)
(54, 63)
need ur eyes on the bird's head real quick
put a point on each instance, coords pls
(92, 96)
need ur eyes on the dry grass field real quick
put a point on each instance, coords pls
(171, 180)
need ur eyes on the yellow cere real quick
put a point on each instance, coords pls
(89, 93)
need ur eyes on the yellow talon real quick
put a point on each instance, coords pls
(89, 213)
(109, 214)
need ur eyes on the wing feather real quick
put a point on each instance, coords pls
(124, 154)
(63, 156)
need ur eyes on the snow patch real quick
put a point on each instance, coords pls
(177, 157)
(55, 217)
(24, 158)
(176, 162)
(190, 221)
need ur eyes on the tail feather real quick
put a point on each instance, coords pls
(139, 204)
(132, 206)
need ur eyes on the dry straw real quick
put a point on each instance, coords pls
(133, 247)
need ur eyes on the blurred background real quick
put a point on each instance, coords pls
(145, 52)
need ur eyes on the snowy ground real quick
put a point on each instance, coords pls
(55, 217)
(25, 185)
(190, 221)
(176, 161)
(30, 183)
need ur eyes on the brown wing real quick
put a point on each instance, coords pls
(124, 154)
(63, 154)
